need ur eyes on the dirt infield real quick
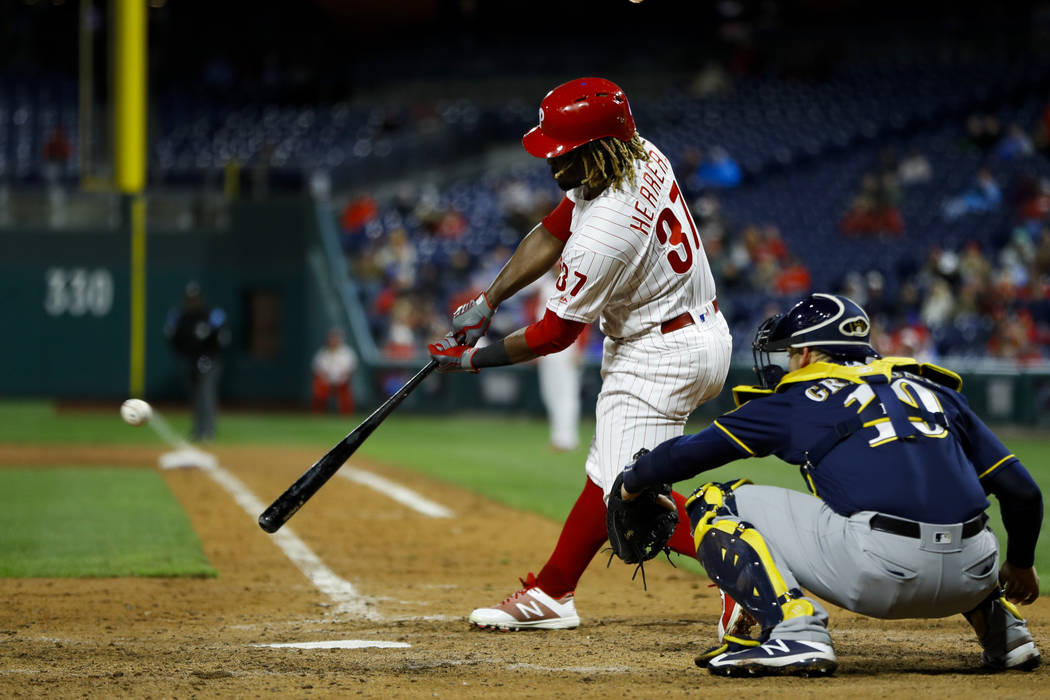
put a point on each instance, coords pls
(416, 578)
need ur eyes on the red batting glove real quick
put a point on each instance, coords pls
(452, 357)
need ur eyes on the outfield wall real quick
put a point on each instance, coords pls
(66, 305)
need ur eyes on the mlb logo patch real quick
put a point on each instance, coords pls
(942, 537)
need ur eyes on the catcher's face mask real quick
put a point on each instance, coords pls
(833, 324)
(770, 353)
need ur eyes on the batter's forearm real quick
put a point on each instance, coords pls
(509, 351)
(534, 256)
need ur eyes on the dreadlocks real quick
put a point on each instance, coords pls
(607, 162)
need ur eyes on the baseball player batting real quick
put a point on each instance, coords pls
(632, 258)
(899, 468)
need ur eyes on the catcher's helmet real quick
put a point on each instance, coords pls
(578, 112)
(833, 324)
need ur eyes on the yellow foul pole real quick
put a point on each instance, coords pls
(129, 158)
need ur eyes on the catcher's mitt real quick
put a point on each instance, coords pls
(639, 529)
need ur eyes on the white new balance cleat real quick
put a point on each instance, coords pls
(1024, 657)
(777, 657)
(529, 608)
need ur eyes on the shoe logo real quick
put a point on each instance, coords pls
(526, 609)
(777, 644)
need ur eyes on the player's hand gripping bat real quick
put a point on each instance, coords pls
(315, 477)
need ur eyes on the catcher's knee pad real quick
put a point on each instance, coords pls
(710, 501)
(736, 557)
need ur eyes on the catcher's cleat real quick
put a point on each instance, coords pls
(1022, 658)
(529, 608)
(1007, 644)
(777, 657)
(728, 644)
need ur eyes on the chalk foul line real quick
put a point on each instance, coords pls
(338, 644)
(405, 496)
(341, 592)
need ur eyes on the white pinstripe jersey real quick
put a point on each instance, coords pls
(634, 257)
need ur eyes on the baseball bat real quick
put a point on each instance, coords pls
(315, 477)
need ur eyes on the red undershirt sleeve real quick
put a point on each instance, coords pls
(552, 333)
(559, 220)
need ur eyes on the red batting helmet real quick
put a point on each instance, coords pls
(578, 112)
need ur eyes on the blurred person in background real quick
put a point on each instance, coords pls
(358, 212)
(631, 256)
(793, 278)
(875, 208)
(983, 132)
(333, 369)
(938, 307)
(400, 343)
(199, 336)
(56, 153)
(974, 266)
(398, 258)
(914, 168)
(1033, 204)
(983, 195)
(717, 170)
(559, 374)
(1015, 144)
(1015, 338)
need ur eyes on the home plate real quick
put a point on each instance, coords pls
(338, 644)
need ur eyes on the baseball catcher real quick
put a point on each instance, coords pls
(641, 525)
(899, 469)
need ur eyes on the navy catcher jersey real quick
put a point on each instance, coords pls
(894, 437)
(888, 436)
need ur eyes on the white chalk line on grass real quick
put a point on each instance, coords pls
(162, 429)
(405, 496)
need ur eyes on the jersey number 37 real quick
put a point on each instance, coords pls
(669, 233)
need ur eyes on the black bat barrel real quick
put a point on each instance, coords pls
(289, 502)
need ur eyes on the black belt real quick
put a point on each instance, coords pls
(910, 528)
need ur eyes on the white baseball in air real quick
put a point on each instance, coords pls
(136, 412)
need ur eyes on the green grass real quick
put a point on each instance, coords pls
(503, 458)
(76, 522)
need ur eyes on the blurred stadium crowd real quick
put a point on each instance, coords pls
(908, 172)
(919, 186)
